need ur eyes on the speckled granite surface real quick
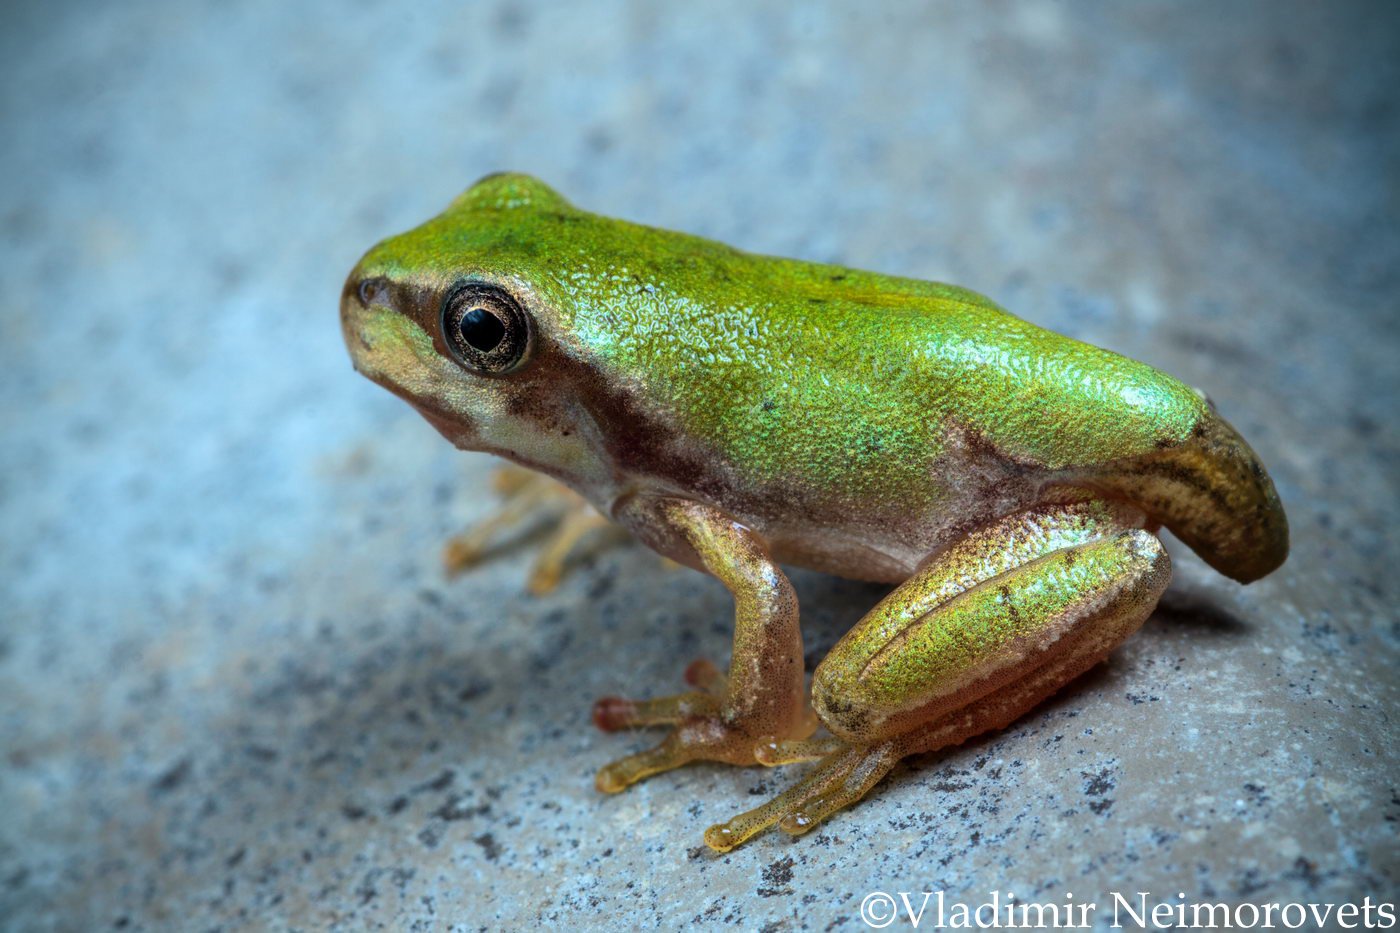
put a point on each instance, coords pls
(237, 691)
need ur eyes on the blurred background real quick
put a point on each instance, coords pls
(236, 688)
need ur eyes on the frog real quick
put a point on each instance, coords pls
(740, 413)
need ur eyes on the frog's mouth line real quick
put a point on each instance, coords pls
(461, 430)
(393, 352)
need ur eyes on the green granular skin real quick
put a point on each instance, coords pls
(815, 374)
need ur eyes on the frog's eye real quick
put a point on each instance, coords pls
(485, 328)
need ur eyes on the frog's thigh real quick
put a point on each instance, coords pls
(762, 696)
(987, 655)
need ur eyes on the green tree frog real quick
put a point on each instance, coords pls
(737, 412)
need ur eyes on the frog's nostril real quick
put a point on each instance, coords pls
(372, 291)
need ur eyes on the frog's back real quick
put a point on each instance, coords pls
(838, 375)
(815, 362)
(1022, 408)
(1041, 400)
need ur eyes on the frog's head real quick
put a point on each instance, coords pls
(463, 318)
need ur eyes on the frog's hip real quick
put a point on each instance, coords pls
(887, 545)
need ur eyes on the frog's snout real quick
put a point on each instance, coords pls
(352, 331)
(358, 301)
(356, 339)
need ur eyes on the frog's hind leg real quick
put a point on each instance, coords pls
(979, 636)
(526, 494)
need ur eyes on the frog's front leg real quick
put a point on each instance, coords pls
(978, 636)
(527, 494)
(762, 697)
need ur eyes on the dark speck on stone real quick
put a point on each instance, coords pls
(776, 878)
(1098, 784)
(1306, 871)
(439, 783)
(489, 847)
(452, 810)
(173, 777)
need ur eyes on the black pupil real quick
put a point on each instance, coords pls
(481, 329)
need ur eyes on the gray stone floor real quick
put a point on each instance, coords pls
(237, 691)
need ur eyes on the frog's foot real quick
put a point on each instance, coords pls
(527, 493)
(845, 774)
(702, 729)
(975, 639)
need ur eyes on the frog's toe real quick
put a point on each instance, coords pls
(701, 732)
(772, 752)
(702, 674)
(612, 714)
(461, 552)
(696, 738)
(550, 566)
(623, 773)
(843, 777)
